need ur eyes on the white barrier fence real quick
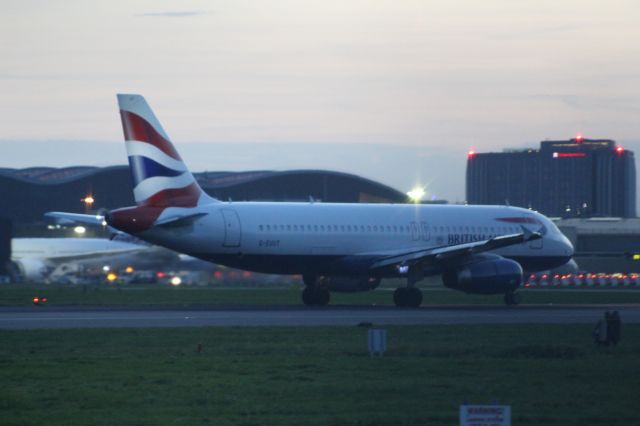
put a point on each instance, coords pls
(582, 280)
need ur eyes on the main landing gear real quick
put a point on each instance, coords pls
(512, 298)
(316, 292)
(407, 297)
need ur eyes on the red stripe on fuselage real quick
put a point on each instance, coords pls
(133, 220)
(179, 197)
(138, 129)
(519, 220)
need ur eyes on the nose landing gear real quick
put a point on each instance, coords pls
(512, 298)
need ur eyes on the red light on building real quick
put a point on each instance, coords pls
(471, 154)
(568, 154)
(619, 149)
(579, 138)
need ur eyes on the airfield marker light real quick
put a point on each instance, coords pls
(36, 300)
(176, 281)
(111, 277)
(416, 194)
(106, 268)
(160, 274)
(80, 230)
(129, 269)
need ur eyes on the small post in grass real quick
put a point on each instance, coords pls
(377, 341)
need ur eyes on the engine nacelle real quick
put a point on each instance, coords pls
(32, 270)
(352, 285)
(489, 276)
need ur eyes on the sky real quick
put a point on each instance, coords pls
(394, 90)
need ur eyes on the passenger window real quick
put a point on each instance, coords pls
(260, 227)
(268, 228)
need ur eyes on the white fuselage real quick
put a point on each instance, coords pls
(293, 238)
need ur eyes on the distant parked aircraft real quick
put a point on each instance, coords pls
(37, 257)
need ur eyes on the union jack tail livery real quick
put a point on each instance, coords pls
(160, 177)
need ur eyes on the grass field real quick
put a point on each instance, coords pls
(155, 295)
(550, 375)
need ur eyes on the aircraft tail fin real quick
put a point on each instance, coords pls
(160, 177)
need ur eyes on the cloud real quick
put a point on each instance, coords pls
(172, 14)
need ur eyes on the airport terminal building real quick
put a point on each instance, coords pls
(29, 193)
(564, 178)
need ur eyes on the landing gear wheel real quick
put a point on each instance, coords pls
(512, 298)
(316, 296)
(407, 297)
(415, 297)
(399, 296)
(308, 296)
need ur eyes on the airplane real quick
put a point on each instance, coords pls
(36, 258)
(335, 247)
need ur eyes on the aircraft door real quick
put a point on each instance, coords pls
(232, 229)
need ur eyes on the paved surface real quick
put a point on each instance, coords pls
(73, 317)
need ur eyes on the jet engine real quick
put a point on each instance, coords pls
(351, 284)
(487, 276)
(32, 270)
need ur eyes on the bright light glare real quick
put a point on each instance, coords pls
(176, 281)
(111, 277)
(416, 194)
(80, 230)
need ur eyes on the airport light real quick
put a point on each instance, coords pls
(111, 277)
(88, 201)
(129, 269)
(80, 230)
(416, 194)
(176, 281)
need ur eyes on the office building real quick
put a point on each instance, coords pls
(566, 178)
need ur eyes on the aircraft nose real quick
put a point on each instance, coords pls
(567, 247)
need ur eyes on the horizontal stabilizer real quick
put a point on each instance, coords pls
(63, 218)
(175, 221)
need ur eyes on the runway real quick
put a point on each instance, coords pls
(73, 317)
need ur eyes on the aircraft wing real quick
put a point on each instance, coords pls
(64, 218)
(455, 252)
